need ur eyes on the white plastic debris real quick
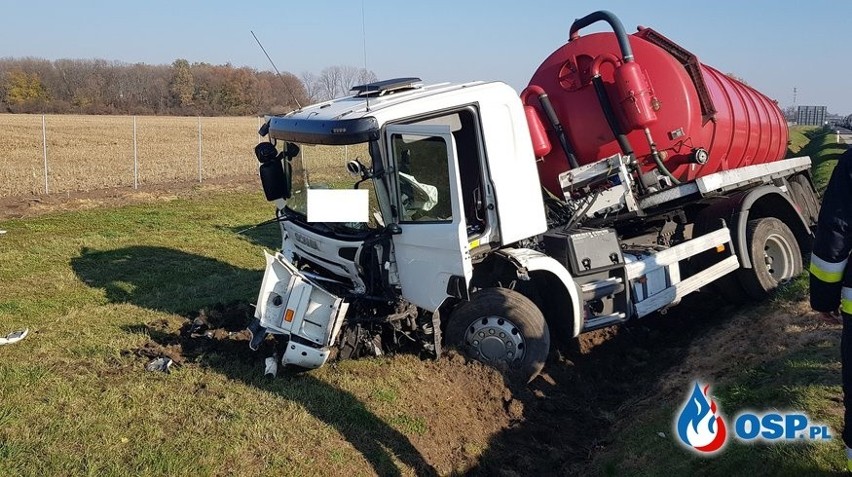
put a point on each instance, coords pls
(2, 232)
(662, 434)
(160, 364)
(271, 368)
(14, 336)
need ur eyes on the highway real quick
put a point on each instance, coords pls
(845, 134)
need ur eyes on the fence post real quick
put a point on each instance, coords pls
(199, 148)
(44, 148)
(135, 158)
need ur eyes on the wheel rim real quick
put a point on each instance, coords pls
(494, 339)
(778, 258)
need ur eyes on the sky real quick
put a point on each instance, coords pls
(775, 46)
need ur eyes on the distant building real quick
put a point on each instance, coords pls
(811, 115)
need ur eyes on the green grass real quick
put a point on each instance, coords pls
(798, 139)
(824, 151)
(94, 286)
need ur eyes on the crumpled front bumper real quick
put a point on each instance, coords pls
(295, 306)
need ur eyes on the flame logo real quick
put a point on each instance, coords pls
(699, 426)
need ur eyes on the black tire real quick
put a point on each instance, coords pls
(489, 315)
(797, 193)
(775, 257)
(807, 199)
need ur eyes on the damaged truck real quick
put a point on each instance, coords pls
(624, 177)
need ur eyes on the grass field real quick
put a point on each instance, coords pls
(96, 152)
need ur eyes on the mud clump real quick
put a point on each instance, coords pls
(220, 329)
(152, 350)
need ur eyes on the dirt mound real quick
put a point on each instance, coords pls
(464, 404)
(220, 329)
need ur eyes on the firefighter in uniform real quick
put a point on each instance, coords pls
(831, 274)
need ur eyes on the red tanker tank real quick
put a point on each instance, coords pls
(660, 99)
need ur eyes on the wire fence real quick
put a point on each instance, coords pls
(48, 154)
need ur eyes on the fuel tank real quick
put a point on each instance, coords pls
(660, 97)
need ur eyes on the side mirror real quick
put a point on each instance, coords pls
(265, 152)
(275, 174)
(356, 169)
(291, 150)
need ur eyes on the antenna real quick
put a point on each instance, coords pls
(276, 70)
(364, 38)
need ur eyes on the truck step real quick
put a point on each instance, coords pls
(601, 288)
(602, 321)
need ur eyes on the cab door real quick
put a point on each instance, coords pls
(432, 254)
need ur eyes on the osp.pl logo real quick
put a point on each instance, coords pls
(701, 428)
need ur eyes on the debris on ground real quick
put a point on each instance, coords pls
(160, 364)
(14, 336)
(271, 366)
(199, 326)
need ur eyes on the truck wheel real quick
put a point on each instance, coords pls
(805, 197)
(798, 195)
(504, 329)
(775, 257)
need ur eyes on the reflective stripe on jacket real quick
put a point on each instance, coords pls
(846, 300)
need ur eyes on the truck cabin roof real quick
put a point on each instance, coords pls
(352, 119)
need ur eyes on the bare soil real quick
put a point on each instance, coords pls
(25, 206)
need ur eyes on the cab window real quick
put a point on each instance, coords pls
(423, 178)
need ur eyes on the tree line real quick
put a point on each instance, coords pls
(94, 86)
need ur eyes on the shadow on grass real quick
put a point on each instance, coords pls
(813, 150)
(815, 132)
(164, 279)
(182, 283)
